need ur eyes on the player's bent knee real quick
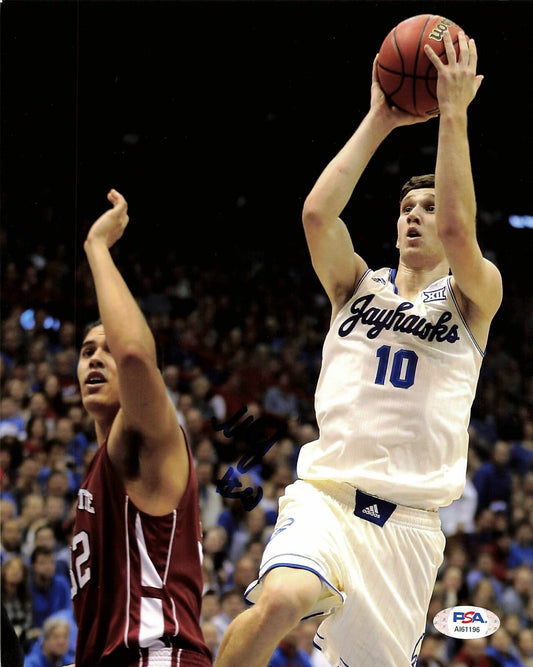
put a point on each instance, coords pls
(290, 593)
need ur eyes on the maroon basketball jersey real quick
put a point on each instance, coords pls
(136, 579)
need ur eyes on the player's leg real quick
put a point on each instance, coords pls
(388, 577)
(288, 594)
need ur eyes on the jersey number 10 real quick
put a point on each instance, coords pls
(402, 374)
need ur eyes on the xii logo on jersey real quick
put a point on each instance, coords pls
(85, 501)
(435, 295)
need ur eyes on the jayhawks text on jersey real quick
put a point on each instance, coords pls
(381, 350)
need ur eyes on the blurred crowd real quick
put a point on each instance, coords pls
(239, 340)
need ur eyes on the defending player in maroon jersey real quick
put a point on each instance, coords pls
(136, 555)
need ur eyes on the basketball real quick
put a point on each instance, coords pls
(405, 73)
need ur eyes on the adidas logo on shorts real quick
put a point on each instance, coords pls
(372, 510)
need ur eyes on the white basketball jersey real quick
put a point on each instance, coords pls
(394, 395)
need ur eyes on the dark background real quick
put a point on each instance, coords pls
(215, 118)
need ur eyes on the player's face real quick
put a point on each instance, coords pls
(417, 228)
(97, 373)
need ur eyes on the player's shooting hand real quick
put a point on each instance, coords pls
(457, 82)
(378, 102)
(111, 225)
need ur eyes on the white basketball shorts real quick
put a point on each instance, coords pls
(377, 579)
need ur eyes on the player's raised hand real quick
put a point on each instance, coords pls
(457, 82)
(111, 225)
(378, 101)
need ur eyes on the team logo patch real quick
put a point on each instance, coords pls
(466, 622)
(435, 295)
(370, 508)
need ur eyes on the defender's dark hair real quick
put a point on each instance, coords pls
(417, 182)
(88, 327)
(99, 323)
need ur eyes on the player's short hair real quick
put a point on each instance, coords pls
(417, 182)
(98, 323)
(88, 327)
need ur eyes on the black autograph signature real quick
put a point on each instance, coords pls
(230, 485)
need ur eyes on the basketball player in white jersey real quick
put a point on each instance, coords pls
(358, 535)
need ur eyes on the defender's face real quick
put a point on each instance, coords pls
(97, 373)
(417, 228)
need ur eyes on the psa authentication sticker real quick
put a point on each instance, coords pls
(466, 622)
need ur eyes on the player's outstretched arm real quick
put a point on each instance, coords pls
(337, 265)
(478, 279)
(144, 403)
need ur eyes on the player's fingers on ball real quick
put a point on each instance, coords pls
(375, 68)
(472, 48)
(434, 58)
(464, 49)
(432, 55)
(450, 50)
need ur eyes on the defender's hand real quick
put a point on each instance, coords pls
(111, 225)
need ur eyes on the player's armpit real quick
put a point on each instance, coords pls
(480, 283)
